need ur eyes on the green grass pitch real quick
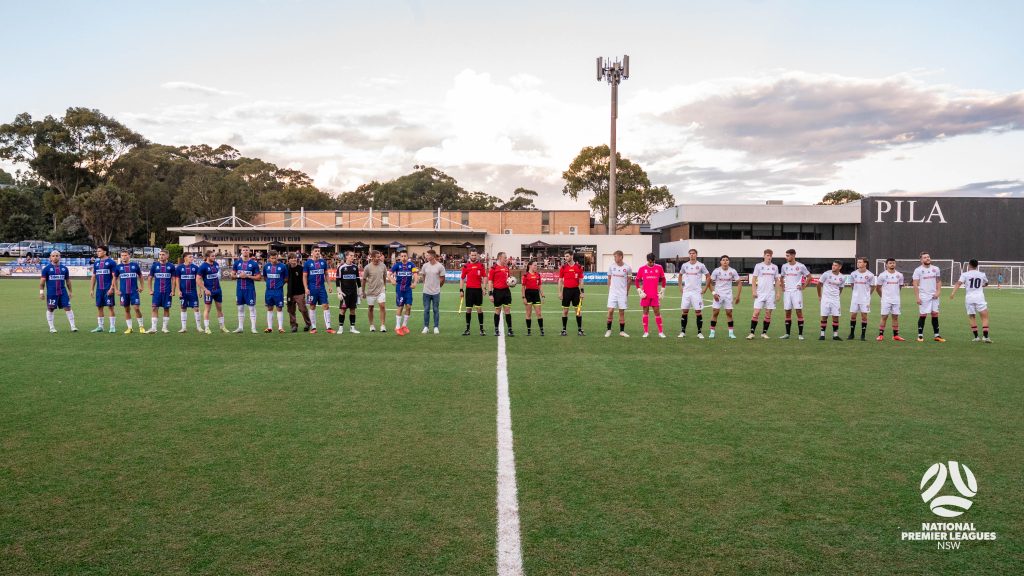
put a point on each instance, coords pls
(375, 454)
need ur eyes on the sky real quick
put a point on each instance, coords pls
(732, 101)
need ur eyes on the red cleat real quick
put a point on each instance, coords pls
(330, 330)
(312, 330)
(898, 338)
(880, 338)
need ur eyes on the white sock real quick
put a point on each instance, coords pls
(270, 319)
(405, 320)
(206, 323)
(241, 317)
(199, 321)
(142, 324)
(167, 320)
(152, 323)
(71, 318)
(252, 317)
(220, 320)
(184, 319)
(99, 321)
(398, 321)
(312, 320)
(327, 319)
(113, 322)
(280, 319)
(49, 319)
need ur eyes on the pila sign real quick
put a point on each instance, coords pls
(909, 212)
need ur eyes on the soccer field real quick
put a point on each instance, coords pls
(376, 454)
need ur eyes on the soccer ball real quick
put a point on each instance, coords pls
(512, 282)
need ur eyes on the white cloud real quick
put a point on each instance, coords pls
(197, 88)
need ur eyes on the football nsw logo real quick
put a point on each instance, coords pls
(933, 482)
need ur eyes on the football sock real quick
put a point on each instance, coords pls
(700, 323)
(800, 327)
(920, 326)
(497, 320)
(529, 323)
(579, 322)
(540, 324)
(622, 326)
(565, 322)
(99, 321)
(184, 319)
(469, 319)
(508, 320)
(935, 325)
(789, 326)
(984, 331)
(753, 326)
(351, 318)
(764, 329)
(71, 318)
(480, 317)
(49, 319)
(647, 323)
(252, 317)
(683, 321)
(199, 319)
(609, 325)
(657, 322)
(863, 329)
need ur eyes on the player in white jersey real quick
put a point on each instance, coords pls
(766, 285)
(722, 279)
(888, 285)
(974, 282)
(619, 276)
(830, 287)
(694, 279)
(794, 279)
(927, 288)
(863, 281)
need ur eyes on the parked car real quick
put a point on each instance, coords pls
(138, 252)
(82, 251)
(25, 248)
(5, 248)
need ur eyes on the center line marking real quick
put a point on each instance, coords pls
(510, 552)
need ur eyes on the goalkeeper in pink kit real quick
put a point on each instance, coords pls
(650, 283)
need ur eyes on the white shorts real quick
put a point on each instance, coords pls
(793, 300)
(830, 308)
(617, 301)
(381, 298)
(928, 306)
(890, 308)
(766, 301)
(976, 306)
(692, 301)
(864, 307)
(724, 301)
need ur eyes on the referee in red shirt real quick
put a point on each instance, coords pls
(500, 295)
(472, 291)
(570, 290)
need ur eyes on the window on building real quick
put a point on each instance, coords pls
(287, 218)
(339, 220)
(465, 218)
(385, 219)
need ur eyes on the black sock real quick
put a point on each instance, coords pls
(700, 323)
(789, 326)
(508, 320)
(984, 331)
(352, 320)
(920, 326)
(497, 320)
(730, 324)
(753, 326)
(469, 319)
(975, 331)
(835, 326)
(579, 322)
(800, 327)
(480, 317)
(565, 322)
(881, 331)
(764, 329)
(853, 326)
(713, 324)
(341, 318)
(895, 331)
(622, 326)
(935, 325)
(529, 324)
(863, 329)
(540, 324)
(609, 325)
(683, 321)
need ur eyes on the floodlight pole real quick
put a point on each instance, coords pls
(614, 72)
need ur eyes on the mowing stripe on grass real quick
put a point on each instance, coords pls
(510, 552)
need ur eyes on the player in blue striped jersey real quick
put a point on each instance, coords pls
(247, 273)
(185, 279)
(55, 289)
(403, 276)
(128, 282)
(275, 274)
(161, 289)
(314, 279)
(209, 273)
(99, 287)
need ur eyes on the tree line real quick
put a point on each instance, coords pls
(87, 177)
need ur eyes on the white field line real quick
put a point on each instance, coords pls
(510, 552)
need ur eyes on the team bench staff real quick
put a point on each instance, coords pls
(124, 279)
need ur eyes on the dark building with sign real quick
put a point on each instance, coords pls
(949, 228)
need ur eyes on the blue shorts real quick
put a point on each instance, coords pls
(246, 296)
(103, 299)
(189, 300)
(274, 299)
(317, 296)
(403, 297)
(130, 299)
(216, 296)
(55, 301)
(162, 300)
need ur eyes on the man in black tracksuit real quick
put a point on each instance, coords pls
(348, 283)
(296, 293)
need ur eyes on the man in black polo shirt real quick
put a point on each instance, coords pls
(296, 293)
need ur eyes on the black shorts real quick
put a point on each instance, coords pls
(570, 297)
(474, 297)
(349, 299)
(533, 297)
(502, 297)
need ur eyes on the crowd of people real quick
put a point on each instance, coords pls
(303, 286)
